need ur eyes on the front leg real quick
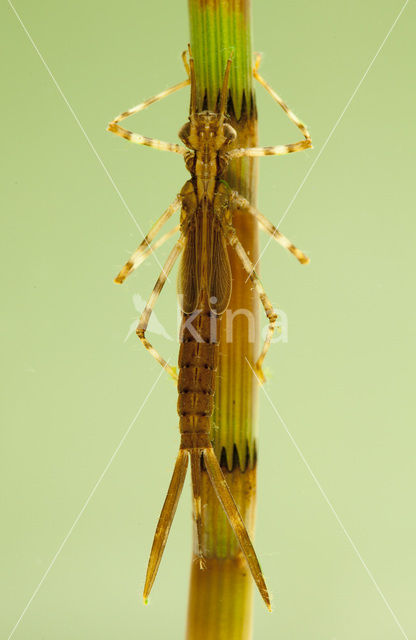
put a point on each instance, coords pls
(293, 117)
(114, 126)
(281, 149)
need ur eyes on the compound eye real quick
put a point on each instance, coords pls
(184, 133)
(230, 133)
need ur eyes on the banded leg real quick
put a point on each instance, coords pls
(159, 243)
(114, 127)
(147, 311)
(278, 99)
(196, 492)
(271, 314)
(142, 251)
(278, 150)
(236, 521)
(242, 203)
(165, 520)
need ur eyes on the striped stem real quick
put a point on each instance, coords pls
(220, 602)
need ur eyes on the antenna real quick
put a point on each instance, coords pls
(224, 90)
(192, 107)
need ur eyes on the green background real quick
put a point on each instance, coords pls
(344, 381)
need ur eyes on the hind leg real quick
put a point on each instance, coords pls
(267, 305)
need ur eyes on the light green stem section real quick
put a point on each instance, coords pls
(220, 28)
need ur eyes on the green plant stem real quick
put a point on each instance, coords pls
(220, 602)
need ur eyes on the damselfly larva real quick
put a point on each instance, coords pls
(206, 228)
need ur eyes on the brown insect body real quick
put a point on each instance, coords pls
(205, 289)
(204, 296)
(207, 203)
(197, 365)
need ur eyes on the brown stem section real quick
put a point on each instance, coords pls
(220, 598)
(220, 602)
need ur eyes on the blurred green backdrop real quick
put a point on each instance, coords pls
(72, 384)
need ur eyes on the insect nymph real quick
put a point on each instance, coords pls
(206, 229)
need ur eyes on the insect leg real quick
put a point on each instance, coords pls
(165, 520)
(196, 491)
(279, 100)
(236, 521)
(277, 150)
(143, 250)
(242, 203)
(114, 127)
(159, 243)
(267, 305)
(147, 311)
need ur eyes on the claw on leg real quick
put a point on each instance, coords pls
(259, 373)
(257, 61)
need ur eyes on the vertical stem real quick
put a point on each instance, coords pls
(220, 602)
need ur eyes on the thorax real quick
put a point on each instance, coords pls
(206, 172)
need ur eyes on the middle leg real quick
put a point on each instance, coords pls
(144, 249)
(244, 205)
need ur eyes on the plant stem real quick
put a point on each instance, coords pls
(220, 602)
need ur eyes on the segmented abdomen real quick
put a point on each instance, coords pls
(198, 356)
